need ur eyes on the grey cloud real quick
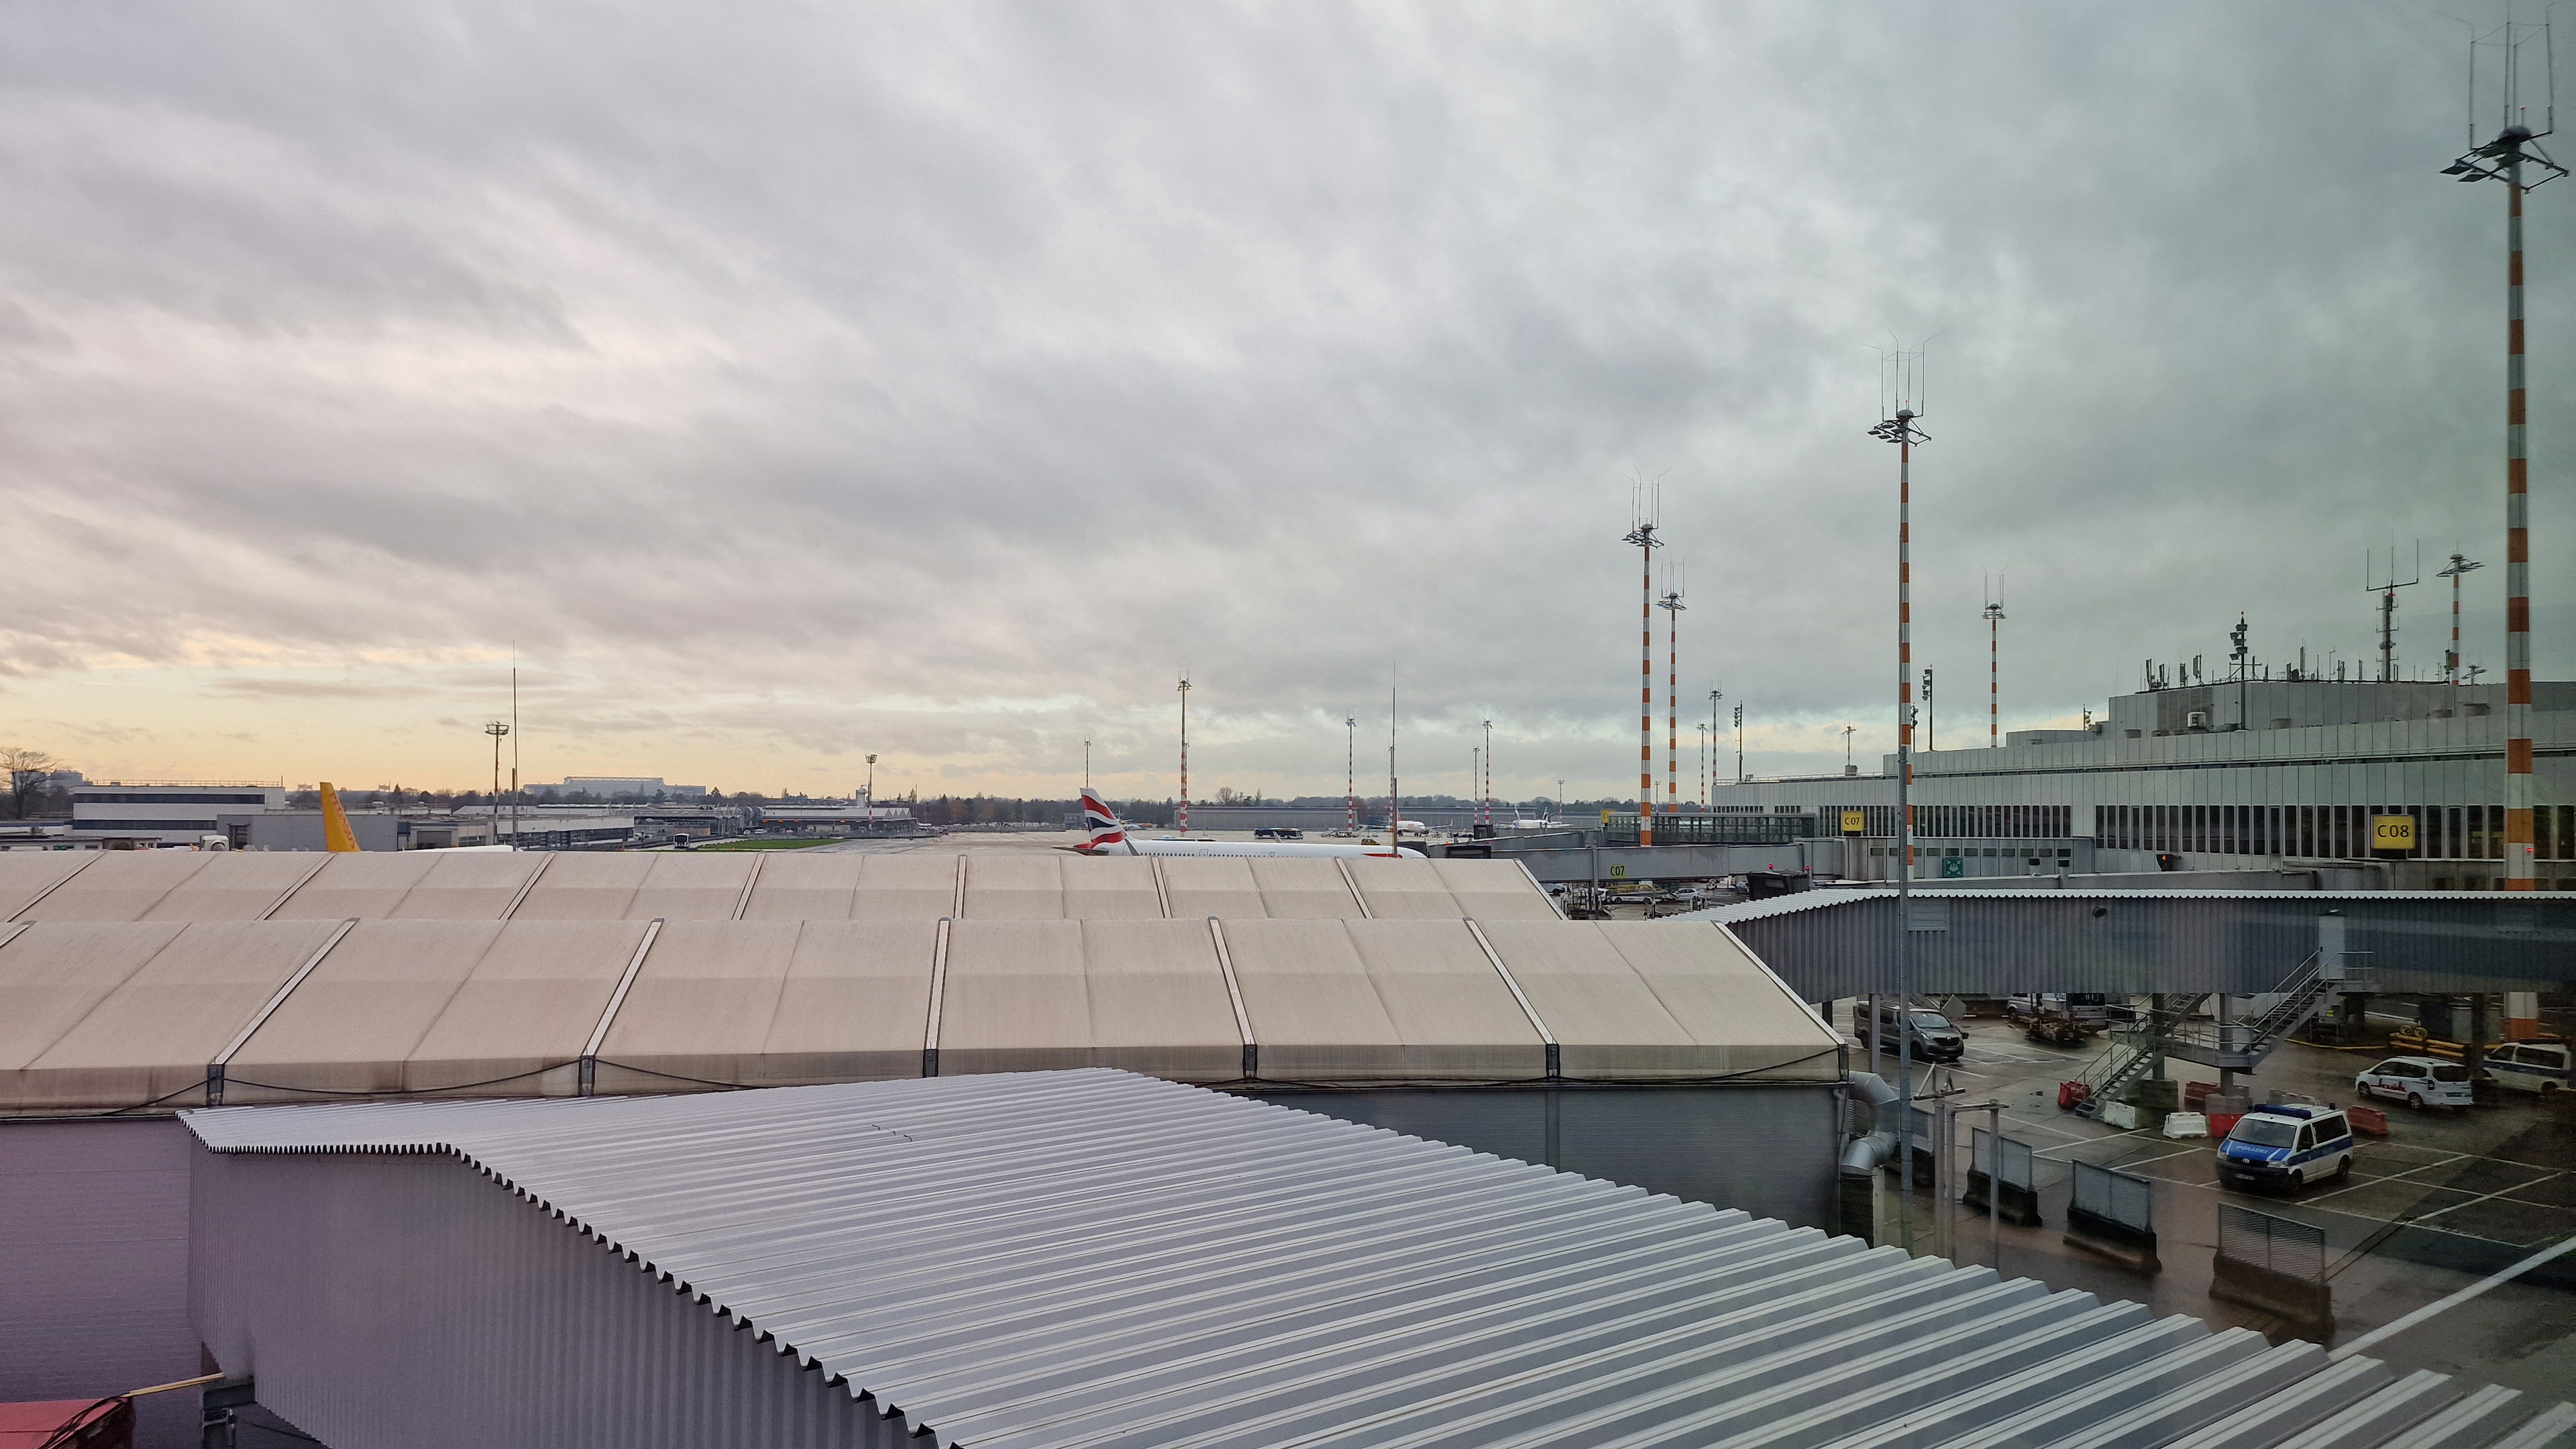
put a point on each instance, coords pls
(830, 376)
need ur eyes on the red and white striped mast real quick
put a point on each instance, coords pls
(1351, 774)
(1643, 536)
(1672, 605)
(2460, 564)
(1994, 666)
(2502, 159)
(1183, 826)
(1485, 803)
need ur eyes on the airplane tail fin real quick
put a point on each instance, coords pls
(1102, 823)
(336, 834)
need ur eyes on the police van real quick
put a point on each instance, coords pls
(2532, 1066)
(2286, 1146)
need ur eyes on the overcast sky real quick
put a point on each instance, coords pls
(790, 382)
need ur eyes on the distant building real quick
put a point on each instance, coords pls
(609, 787)
(167, 812)
(2222, 777)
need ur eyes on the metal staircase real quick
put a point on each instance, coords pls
(2170, 1028)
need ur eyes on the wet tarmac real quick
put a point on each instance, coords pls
(2448, 1198)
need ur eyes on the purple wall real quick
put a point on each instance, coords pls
(94, 1267)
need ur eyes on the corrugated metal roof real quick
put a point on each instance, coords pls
(1080, 1258)
(1838, 943)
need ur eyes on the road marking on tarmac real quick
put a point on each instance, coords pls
(2472, 1202)
(2440, 1305)
(2394, 1176)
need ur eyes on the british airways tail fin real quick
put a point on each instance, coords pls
(1107, 835)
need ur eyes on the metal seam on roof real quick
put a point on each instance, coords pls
(529, 885)
(277, 998)
(1065, 1258)
(625, 983)
(742, 902)
(1351, 883)
(301, 882)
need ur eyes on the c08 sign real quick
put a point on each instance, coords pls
(2392, 832)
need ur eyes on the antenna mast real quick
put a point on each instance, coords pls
(2503, 159)
(1901, 374)
(2387, 591)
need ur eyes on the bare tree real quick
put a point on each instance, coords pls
(28, 772)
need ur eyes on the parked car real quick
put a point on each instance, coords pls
(2420, 1082)
(2532, 1066)
(2285, 1146)
(1936, 1038)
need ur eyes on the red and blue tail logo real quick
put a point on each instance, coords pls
(1102, 822)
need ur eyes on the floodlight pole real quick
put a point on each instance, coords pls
(2502, 159)
(1901, 431)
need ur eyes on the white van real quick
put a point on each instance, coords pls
(2532, 1066)
(2419, 1082)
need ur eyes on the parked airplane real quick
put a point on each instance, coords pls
(1109, 837)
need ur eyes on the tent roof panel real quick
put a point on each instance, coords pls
(155, 1033)
(856, 1001)
(908, 887)
(1304, 888)
(1107, 888)
(467, 885)
(362, 1013)
(27, 874)
(1496, 890)
(586, 886)
(705, 998)
(805, 885)
(693, 887)
(235, 886)
(1210, 885)
(51, 979)
(1013, 887)
(369, 885)
(530, 1003)
(120, 886)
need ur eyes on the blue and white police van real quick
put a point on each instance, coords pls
(2286, 1146)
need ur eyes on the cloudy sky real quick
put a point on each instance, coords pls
(787, 382)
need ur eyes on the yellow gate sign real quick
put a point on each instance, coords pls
(1855, 823)
(1617, 871)
(2392, 832)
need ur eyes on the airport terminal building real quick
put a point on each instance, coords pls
(2224, 777)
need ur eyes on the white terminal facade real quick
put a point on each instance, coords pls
(2226, 776)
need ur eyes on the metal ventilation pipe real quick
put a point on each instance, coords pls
(1868, 1152)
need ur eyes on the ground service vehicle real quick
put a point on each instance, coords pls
(2284, 1146)
(2419, 1082)
(1936, 1039)
(2532, 1066)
